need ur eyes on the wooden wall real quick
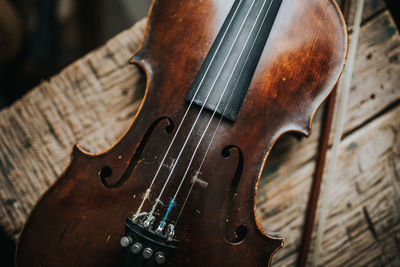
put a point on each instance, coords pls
(92, 102)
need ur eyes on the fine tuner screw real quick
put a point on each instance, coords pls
(160, 257)
(136, 248)
(125, 241)
(147, 253)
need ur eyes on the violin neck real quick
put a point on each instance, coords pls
(233, 58)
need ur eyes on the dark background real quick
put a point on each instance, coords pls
(40, 37)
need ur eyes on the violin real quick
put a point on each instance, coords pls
(225, 79)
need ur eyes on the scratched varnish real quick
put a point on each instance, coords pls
(93, 101)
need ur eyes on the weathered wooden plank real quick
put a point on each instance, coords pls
(302, 152)
(369, 194)
(376, 80)
(90, 102)
(283, 192)
(375, 87)
(364, 207)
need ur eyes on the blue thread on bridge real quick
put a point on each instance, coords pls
(172, 203)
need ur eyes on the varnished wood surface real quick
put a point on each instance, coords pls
(81, 220)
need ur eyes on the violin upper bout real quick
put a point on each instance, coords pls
(301, 63)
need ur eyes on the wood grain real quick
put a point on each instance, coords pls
(292, 163)
(91, 102)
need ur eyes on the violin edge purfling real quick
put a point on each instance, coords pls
(82, 216)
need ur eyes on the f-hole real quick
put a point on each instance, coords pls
(233, 233)
(106, 172)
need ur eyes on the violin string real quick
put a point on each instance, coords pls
(220, 120)
(158, 200)
(147, 193)
(220, 99)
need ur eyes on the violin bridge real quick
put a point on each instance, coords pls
(170, 166)
(196, 179)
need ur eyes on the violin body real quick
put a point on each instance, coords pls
(80, 220)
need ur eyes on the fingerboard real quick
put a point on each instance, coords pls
(226, 73)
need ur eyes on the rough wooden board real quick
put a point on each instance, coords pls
(364, 205)
(376, 81)
(376, 86)
(284, 191)
(93, 101)
(379, 77)
(367, 185)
